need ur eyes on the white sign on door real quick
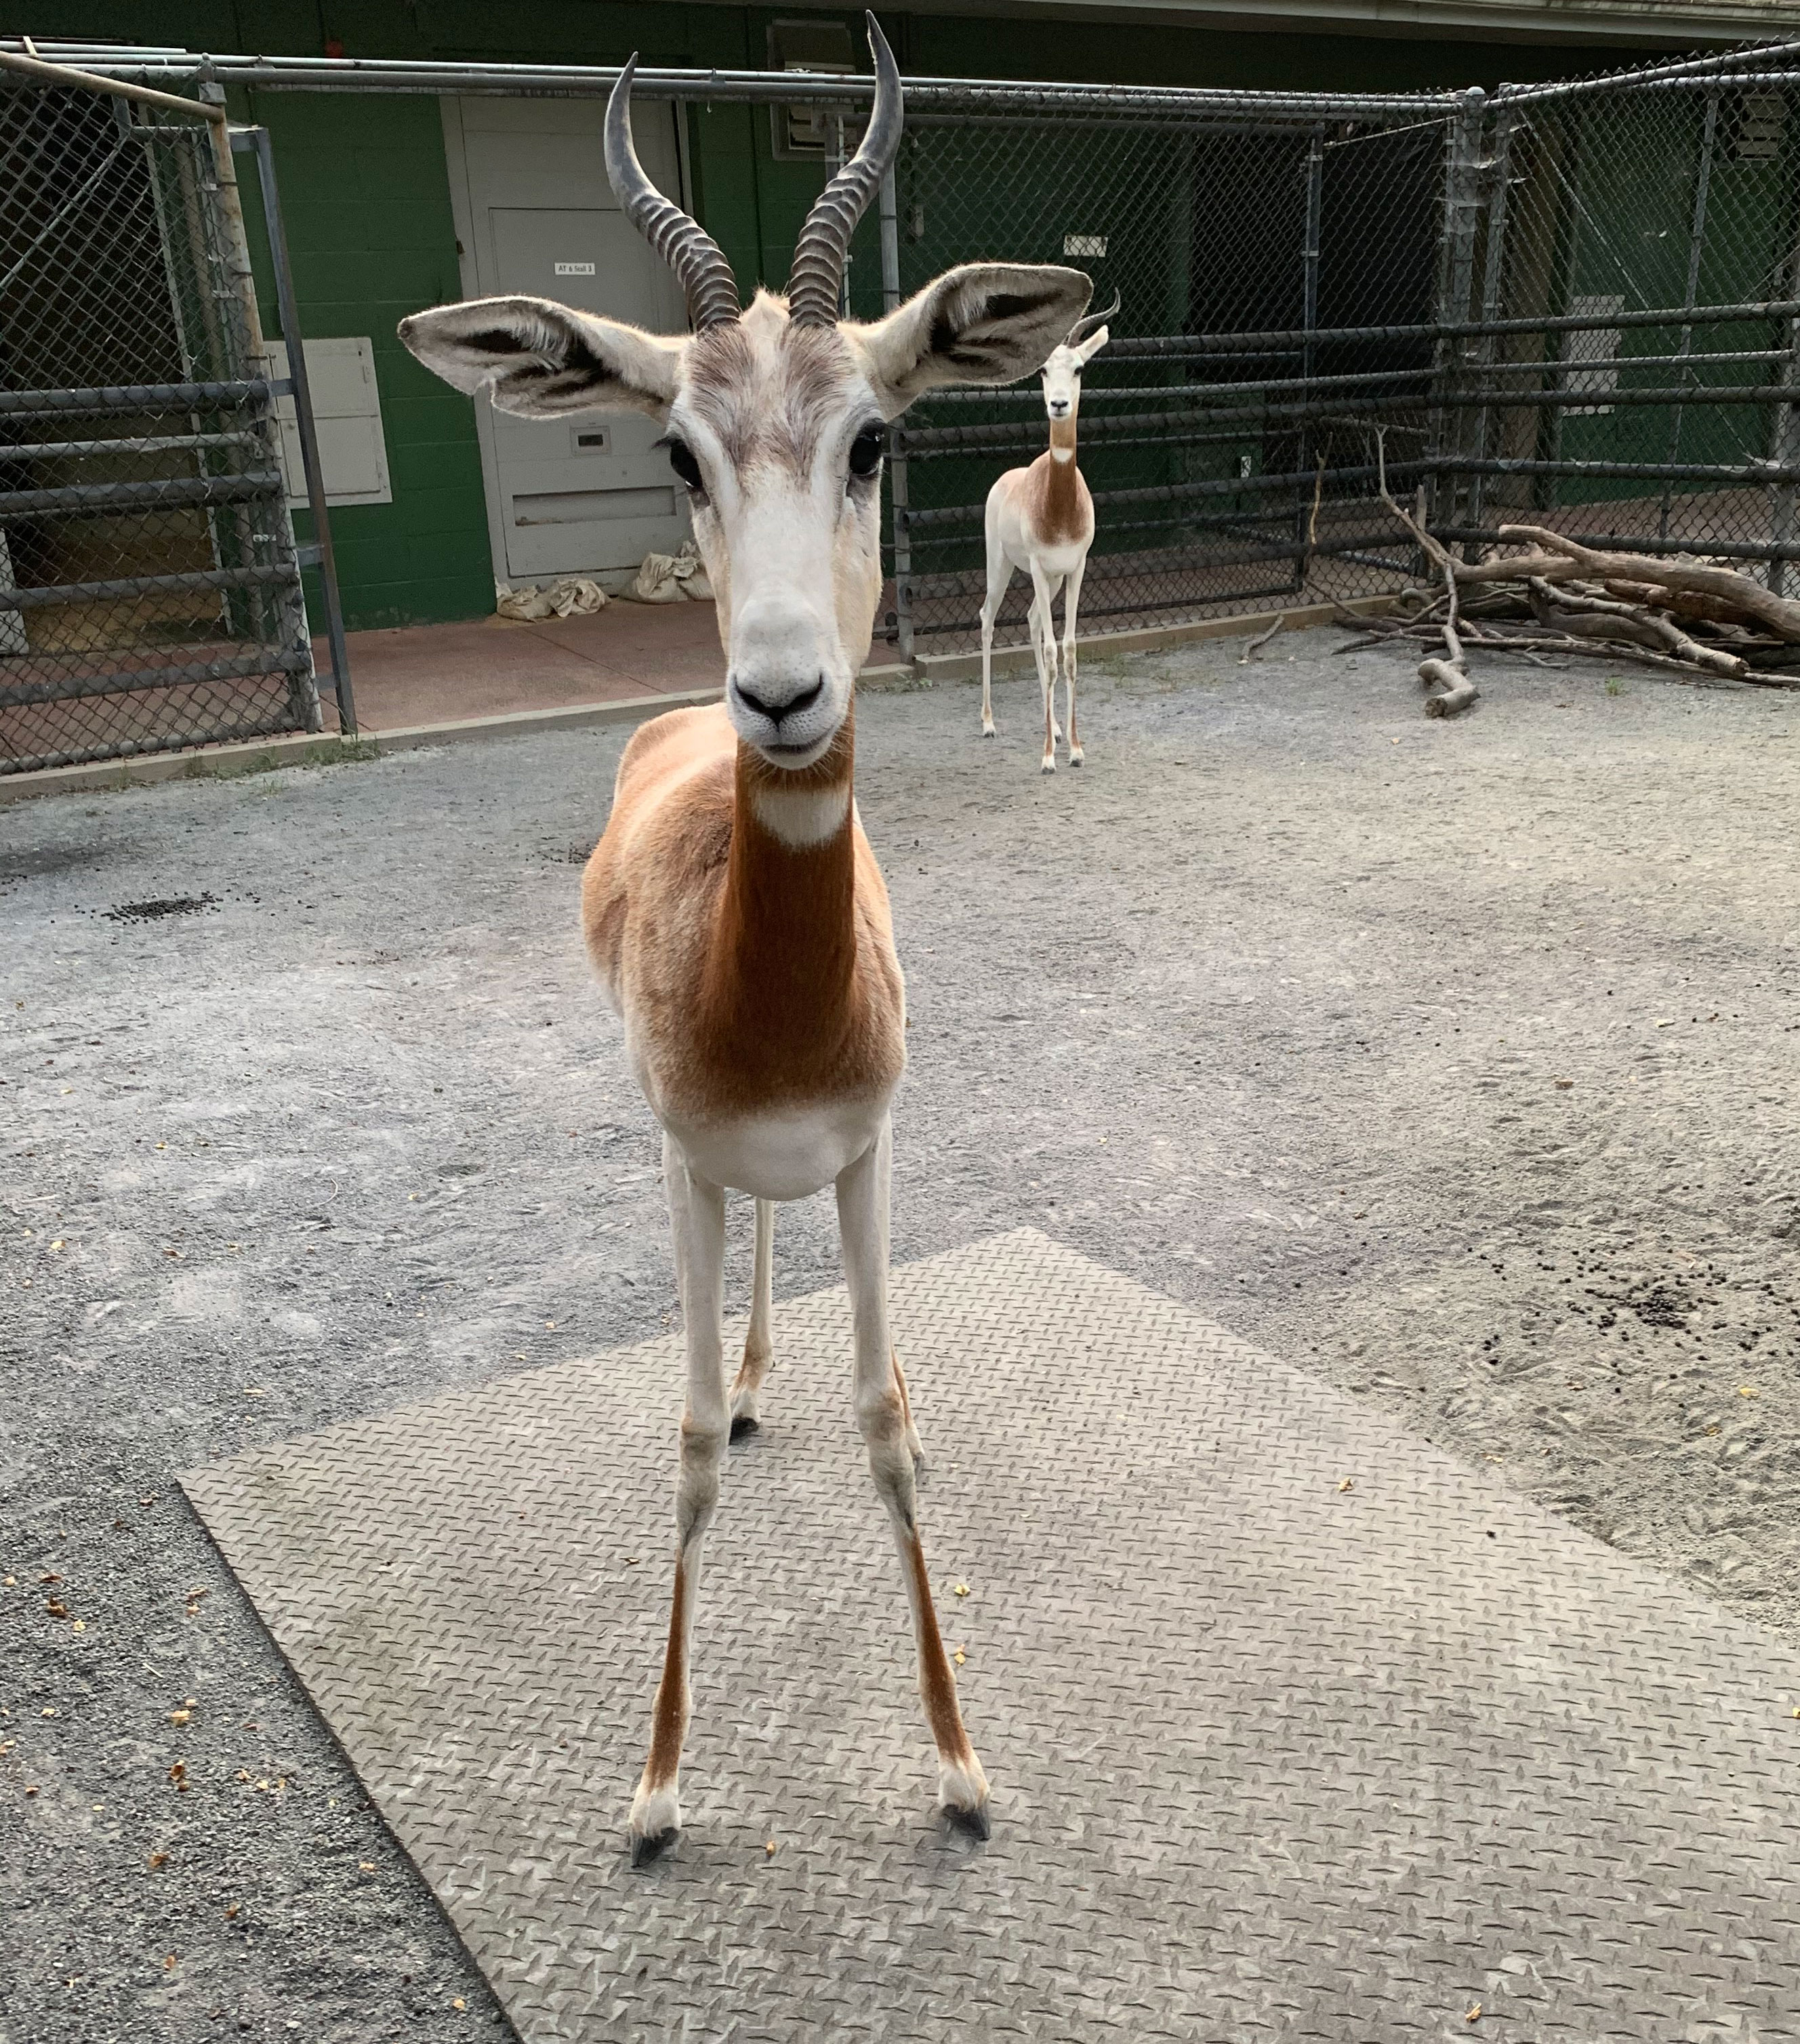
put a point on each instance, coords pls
(574, 269)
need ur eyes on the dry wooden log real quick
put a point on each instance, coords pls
(1593, 649)
(1778, 615)
(1459, 690)
(1684, 602)
(1596, 617)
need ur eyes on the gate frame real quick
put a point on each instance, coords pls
(226, 141)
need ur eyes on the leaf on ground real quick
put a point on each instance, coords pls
(1349, 1483)
(158, 1859)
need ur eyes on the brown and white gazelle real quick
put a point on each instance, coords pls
(1041, 519)
(734, 909)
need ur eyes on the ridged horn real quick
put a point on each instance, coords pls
(815, 282)
(1090, 323)
(679, 239)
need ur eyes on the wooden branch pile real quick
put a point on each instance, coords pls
(1709, 626)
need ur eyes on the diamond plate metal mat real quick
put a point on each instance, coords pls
(1297, 1728)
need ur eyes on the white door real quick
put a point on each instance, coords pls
(535, 214)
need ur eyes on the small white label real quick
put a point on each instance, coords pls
(1084, 244)
(586, 269)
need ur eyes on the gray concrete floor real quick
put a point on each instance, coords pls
(1456, 1063)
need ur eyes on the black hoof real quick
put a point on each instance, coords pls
(972, 1824)
(645, 1850)
(743, 1426)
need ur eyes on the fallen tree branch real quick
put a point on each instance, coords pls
(1450, 674)
(1777, 615)
(1596, 617)
(1260, 641)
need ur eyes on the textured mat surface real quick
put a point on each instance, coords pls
(1272, 1757)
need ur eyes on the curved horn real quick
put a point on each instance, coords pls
(1090, 323)
(682, 243)
(816, 280)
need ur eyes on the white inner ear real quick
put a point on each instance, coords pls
(1092, 345)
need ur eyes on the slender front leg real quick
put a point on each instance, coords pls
(1071, 598)
(759, 1353)
(1000, 574)
(882, 1414)
(697, 1217)
(1043, 639)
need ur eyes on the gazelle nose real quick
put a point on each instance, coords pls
(774, 710)
(1059, 408)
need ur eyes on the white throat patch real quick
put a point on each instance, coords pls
(801, 816)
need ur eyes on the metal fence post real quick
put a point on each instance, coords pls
(258, 140)
(897, 460)
(1309, 346)
(1784, 448)
(1462, 209)
(1493, 285)
(1690, 298)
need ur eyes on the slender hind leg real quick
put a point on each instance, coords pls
(759, 1355)
(697, 1215)
(1000, 574)
(1071, 599)
(881, 1414)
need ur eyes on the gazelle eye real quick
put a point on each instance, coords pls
(865, 451)
(682, 460)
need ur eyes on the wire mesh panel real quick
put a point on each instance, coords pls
(1627, 373)
(1575, 305)
(150, 591)
(1237, 239)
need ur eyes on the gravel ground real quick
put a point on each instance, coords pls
(1455, 1062)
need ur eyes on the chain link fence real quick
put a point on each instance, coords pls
(1275, 261)
(150, 584)
(1573, 304)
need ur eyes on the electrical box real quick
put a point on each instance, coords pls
(346, 413)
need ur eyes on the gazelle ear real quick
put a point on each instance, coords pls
(541, 359)
(981, 323)
(1092, 345)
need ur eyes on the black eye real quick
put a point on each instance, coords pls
(865, 450)
(682, 460)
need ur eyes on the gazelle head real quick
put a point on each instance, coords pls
(1062, 372)
(774, 417)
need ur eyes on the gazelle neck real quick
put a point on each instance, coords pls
(1062, 440)
(784, 951)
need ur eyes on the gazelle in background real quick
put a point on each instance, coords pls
(1042, 519)
(733, 909)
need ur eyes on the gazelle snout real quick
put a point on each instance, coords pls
(785, 691)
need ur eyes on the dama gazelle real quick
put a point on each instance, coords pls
(1040, 519)
(734, 909)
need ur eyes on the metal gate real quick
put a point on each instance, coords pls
(1575, 305)
(151, 593)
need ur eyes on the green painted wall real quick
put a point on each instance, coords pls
(367, 201)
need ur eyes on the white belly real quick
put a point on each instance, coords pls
(781, 1156)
